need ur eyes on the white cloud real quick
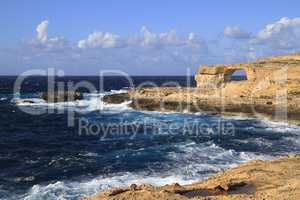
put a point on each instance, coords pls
(41, 30)
(42, 40)
(194, 40)
(282, 34)
(279, 37)
(149, 52)
(166, 38)
(151, 38)
(100, 39)
(277, 27)
(146, 39)
(236, 32)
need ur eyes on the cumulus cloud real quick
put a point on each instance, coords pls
(236, 32)
(146, 38)
(100, 39)
(277, 27)
(150, 52)
(146, 52)
(42, 40)
(282, 34)
(150, 38)
(41, 30)
(170, 37)
(279, 37)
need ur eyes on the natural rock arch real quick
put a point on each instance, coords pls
(216, 75)
(270, 70)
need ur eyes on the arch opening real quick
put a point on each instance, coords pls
(237, 75)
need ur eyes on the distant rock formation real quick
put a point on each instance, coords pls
(272, 69)
(61, 96)
(271, 89)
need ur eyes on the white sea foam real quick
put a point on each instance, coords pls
(191, 163)
(91, 102)
(214, 155)
(75, 190)
(237, 117)
(293, 142)
(260, 142)
(280, 127)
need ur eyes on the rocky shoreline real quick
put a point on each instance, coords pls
(270, 90)
(270, 180)
(188, 100)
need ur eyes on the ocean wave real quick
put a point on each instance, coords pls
(76, 190)
(192, 162)
(186, 161)
(279, 127)
(259, 142)
(91, 102)
(293, 142)
(214, 155)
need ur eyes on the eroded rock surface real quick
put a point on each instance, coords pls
(269, 180)
(273, 70)
(117, 98)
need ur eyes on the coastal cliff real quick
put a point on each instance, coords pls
(270, 89)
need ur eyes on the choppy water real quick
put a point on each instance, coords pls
(42, 158)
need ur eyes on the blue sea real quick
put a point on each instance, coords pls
(50, 155)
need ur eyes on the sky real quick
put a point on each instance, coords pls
(142, 37)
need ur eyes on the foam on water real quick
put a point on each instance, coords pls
(188, 161)
(191, 164)
(75, 190)
(212, 156)
(281, 127)
(91, 102)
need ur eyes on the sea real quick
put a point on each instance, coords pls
(75, 149)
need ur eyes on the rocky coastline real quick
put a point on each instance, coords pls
(150, 100)
(270, 180)
(271, 89)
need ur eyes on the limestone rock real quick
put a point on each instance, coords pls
(116, 98)
(271, 90)
(270, 180)
(272, 69)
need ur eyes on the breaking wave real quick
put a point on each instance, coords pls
(91, 102)
(155, 159)
(193, 162)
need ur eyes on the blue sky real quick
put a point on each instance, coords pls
(142, 38)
